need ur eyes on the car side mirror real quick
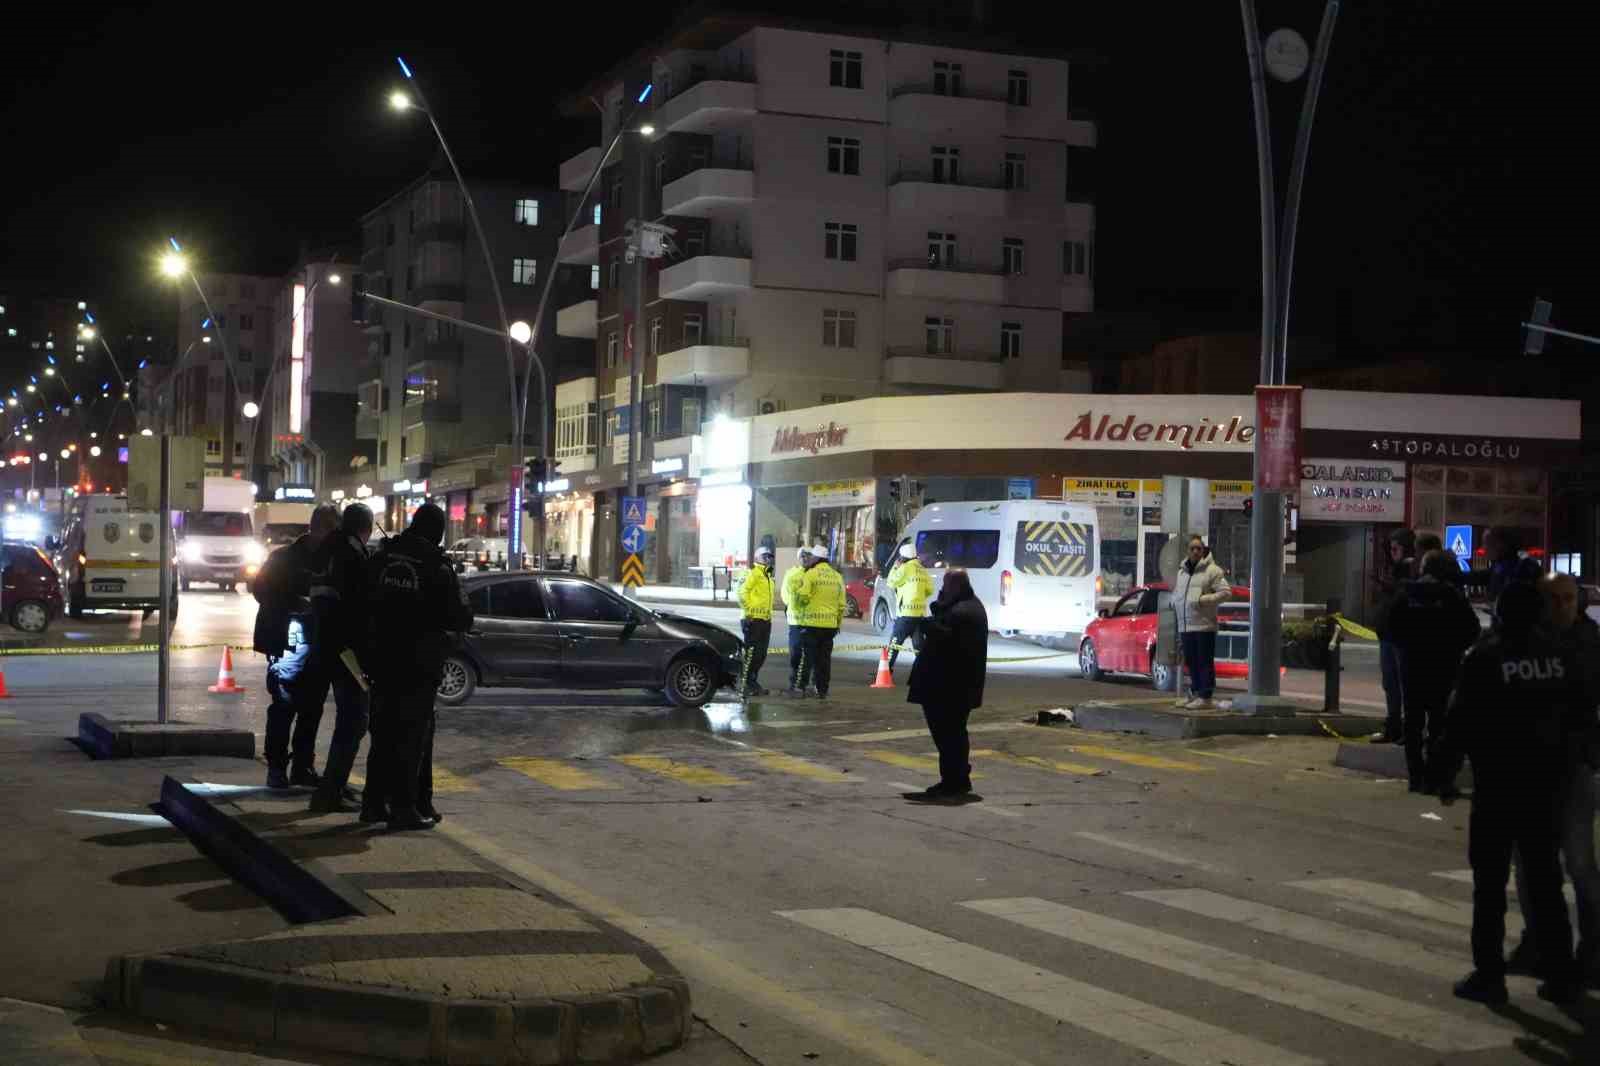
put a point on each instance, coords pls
(1104, 613)
(629, 626)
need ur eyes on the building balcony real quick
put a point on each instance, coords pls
(575, 464)
(576, 172)
(447, 231)
(970, 282)
(440, 292)
(369, 427)
(1077, 293)
(918, 107)
(1079, 217)
(1080, 130)
(432, 411)
(582, 245)
(579, 319)
(714, 362)
(714, 100)
(915, 192)
(944, 370)
(708, 275)
(578, 390)
(702, 191)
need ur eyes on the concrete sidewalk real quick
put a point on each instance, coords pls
(453, 960)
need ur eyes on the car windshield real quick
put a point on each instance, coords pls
(283, 532)
(217, 524)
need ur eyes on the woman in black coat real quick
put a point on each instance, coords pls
(947, 680)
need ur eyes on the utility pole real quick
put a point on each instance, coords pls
(633, 334)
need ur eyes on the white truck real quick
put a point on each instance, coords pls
(281, 521)
(218, 544)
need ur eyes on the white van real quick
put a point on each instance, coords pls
(110, 558)
(1033, 563)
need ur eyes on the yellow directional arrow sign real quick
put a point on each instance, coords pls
(632, 571)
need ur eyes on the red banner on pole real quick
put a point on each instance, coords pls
(1278, 438)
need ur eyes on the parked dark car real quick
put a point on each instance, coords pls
(30, 589)
(558, 630)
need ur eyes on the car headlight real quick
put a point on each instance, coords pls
(255, 553)
(189, 551)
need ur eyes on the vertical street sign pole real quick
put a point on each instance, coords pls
(164, 552)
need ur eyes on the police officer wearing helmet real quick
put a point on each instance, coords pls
(755, 599)
(1520, 708)
(416, 601)
(913, 588)
(821, 596)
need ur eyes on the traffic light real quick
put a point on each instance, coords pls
(552, 471)
(532, 476)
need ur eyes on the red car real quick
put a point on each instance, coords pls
(1123, 639)
(857, 590)
(30, 590)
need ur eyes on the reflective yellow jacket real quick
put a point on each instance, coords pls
(914, 588)
(821, 596)
(791, 592)
(755, 595)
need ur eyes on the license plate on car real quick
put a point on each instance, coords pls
(106, 585)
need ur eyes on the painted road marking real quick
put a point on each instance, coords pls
(444, 781)
(557, 774)
(1034, 762)
(1131, 1022)
(925, 763)
(681, 772)
(912, 734)
(1362, 1008)
(1155, 853)
(793, 764)
(1149, 762)
(1227, 758)
(1403, 900)
(1465, 877)
(1362, 943)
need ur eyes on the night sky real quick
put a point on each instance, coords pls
(1450, 179)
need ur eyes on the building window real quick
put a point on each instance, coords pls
(844, 69)
(661, 171)
(1014, 171)
(1017, 88)
(611, 349)
(941, 250)
(404, 452)
(383, 453)
(247, 322)
(839, 241)
(80, 348)
(596, 214)
(946, 164)
(655, 336)
(941, 335)
(238, 448)
(694, 330)
(213, 446)
(526, 212)
(1075, 260)
(946, 78)
(523, 271)
(1011, 340)
(838, 329)
(844, 155)
(614, 273)
(246, 355)
(616, 194)
(388, 342)
(1011, 255)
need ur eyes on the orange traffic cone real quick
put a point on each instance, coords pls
(884, 679)
(225, 684)
(4, 695)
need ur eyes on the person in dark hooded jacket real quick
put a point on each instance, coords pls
(1391, 578)
(1434, 625)
(947, 680)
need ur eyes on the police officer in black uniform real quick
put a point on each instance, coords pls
(342, 624)
(1519, 707)
(416, 599)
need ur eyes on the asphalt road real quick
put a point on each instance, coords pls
(1109, 900)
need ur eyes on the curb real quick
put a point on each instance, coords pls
(1176, 725)
(306, 1012)
(122, 738)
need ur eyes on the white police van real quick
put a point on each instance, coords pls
(109, 557)
(1035, 564)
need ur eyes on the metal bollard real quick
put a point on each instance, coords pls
(1334, 667)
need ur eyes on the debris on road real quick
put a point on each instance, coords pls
(1058, 716)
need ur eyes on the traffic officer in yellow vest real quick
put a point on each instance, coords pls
(755, 597)
(799, 665)
(821, 596)
(913, 588)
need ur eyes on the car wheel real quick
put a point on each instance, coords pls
(75, 601)
(852, 609)
(30, 616)
(880, 617)
(1089, 662)
(691, 681)
(1160, 674)
(456, 681)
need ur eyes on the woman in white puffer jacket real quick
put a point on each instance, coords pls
(1200, 589)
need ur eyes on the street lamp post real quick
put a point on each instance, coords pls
(176, 265)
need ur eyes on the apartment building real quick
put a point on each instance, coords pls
(223, 357)
(433, 417)
(854, 216)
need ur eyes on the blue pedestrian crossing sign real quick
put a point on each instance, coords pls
(1458, 542)
(632, 539)
(633, 510)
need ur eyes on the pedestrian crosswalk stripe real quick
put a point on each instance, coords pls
(1465, 877)
(1155, 853)
(1362, 943)
(793, 764)
(557, 774)
(1362, 1008)
(1149, 762)
(681, 772)
(913, 734)
(1403, 900)
(925, 763)
(1034, 762)
(1134, 1023)
(444, 781)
